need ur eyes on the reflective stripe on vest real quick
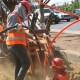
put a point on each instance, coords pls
(16, 37)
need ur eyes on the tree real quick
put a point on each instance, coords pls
(42, 10)
(70, 7)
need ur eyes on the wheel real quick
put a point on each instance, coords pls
(45, 21)
(77, 18)
(56, 22)
(68, 20)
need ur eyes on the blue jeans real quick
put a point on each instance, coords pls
(22, 60)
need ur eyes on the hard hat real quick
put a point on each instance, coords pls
(57, 62)
(26, 4)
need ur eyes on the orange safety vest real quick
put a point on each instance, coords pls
(61, 76)
(1, 28)
(17, 37)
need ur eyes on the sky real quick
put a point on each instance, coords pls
(59, 1)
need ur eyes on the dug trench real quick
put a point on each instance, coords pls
(7, 65)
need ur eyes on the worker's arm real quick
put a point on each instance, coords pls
(29, 35)
(11, 21)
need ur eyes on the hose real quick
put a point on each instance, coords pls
(56, 36)
(5, 30)
(37, 41)
(54, 8)
(60, 32)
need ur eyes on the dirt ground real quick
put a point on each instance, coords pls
(69, 42)
(65, 41)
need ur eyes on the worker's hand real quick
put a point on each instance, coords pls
(19, 26)
(34, 38)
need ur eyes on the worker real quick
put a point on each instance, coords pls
(1, 36)
(1, 28)
(16, 38)
(59, 70)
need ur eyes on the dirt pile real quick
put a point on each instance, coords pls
(69, 42)
(65, 41)
(6, 68)
(7, 71)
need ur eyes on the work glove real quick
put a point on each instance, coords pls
(19, 26)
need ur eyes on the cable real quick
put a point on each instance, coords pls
(5, 30)
(37, 40)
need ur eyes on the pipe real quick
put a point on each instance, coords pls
(57, 35)
(54, 8)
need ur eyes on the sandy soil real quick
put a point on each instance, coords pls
(65, 41)
(69, 42)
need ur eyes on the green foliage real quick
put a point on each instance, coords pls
(70, 7)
